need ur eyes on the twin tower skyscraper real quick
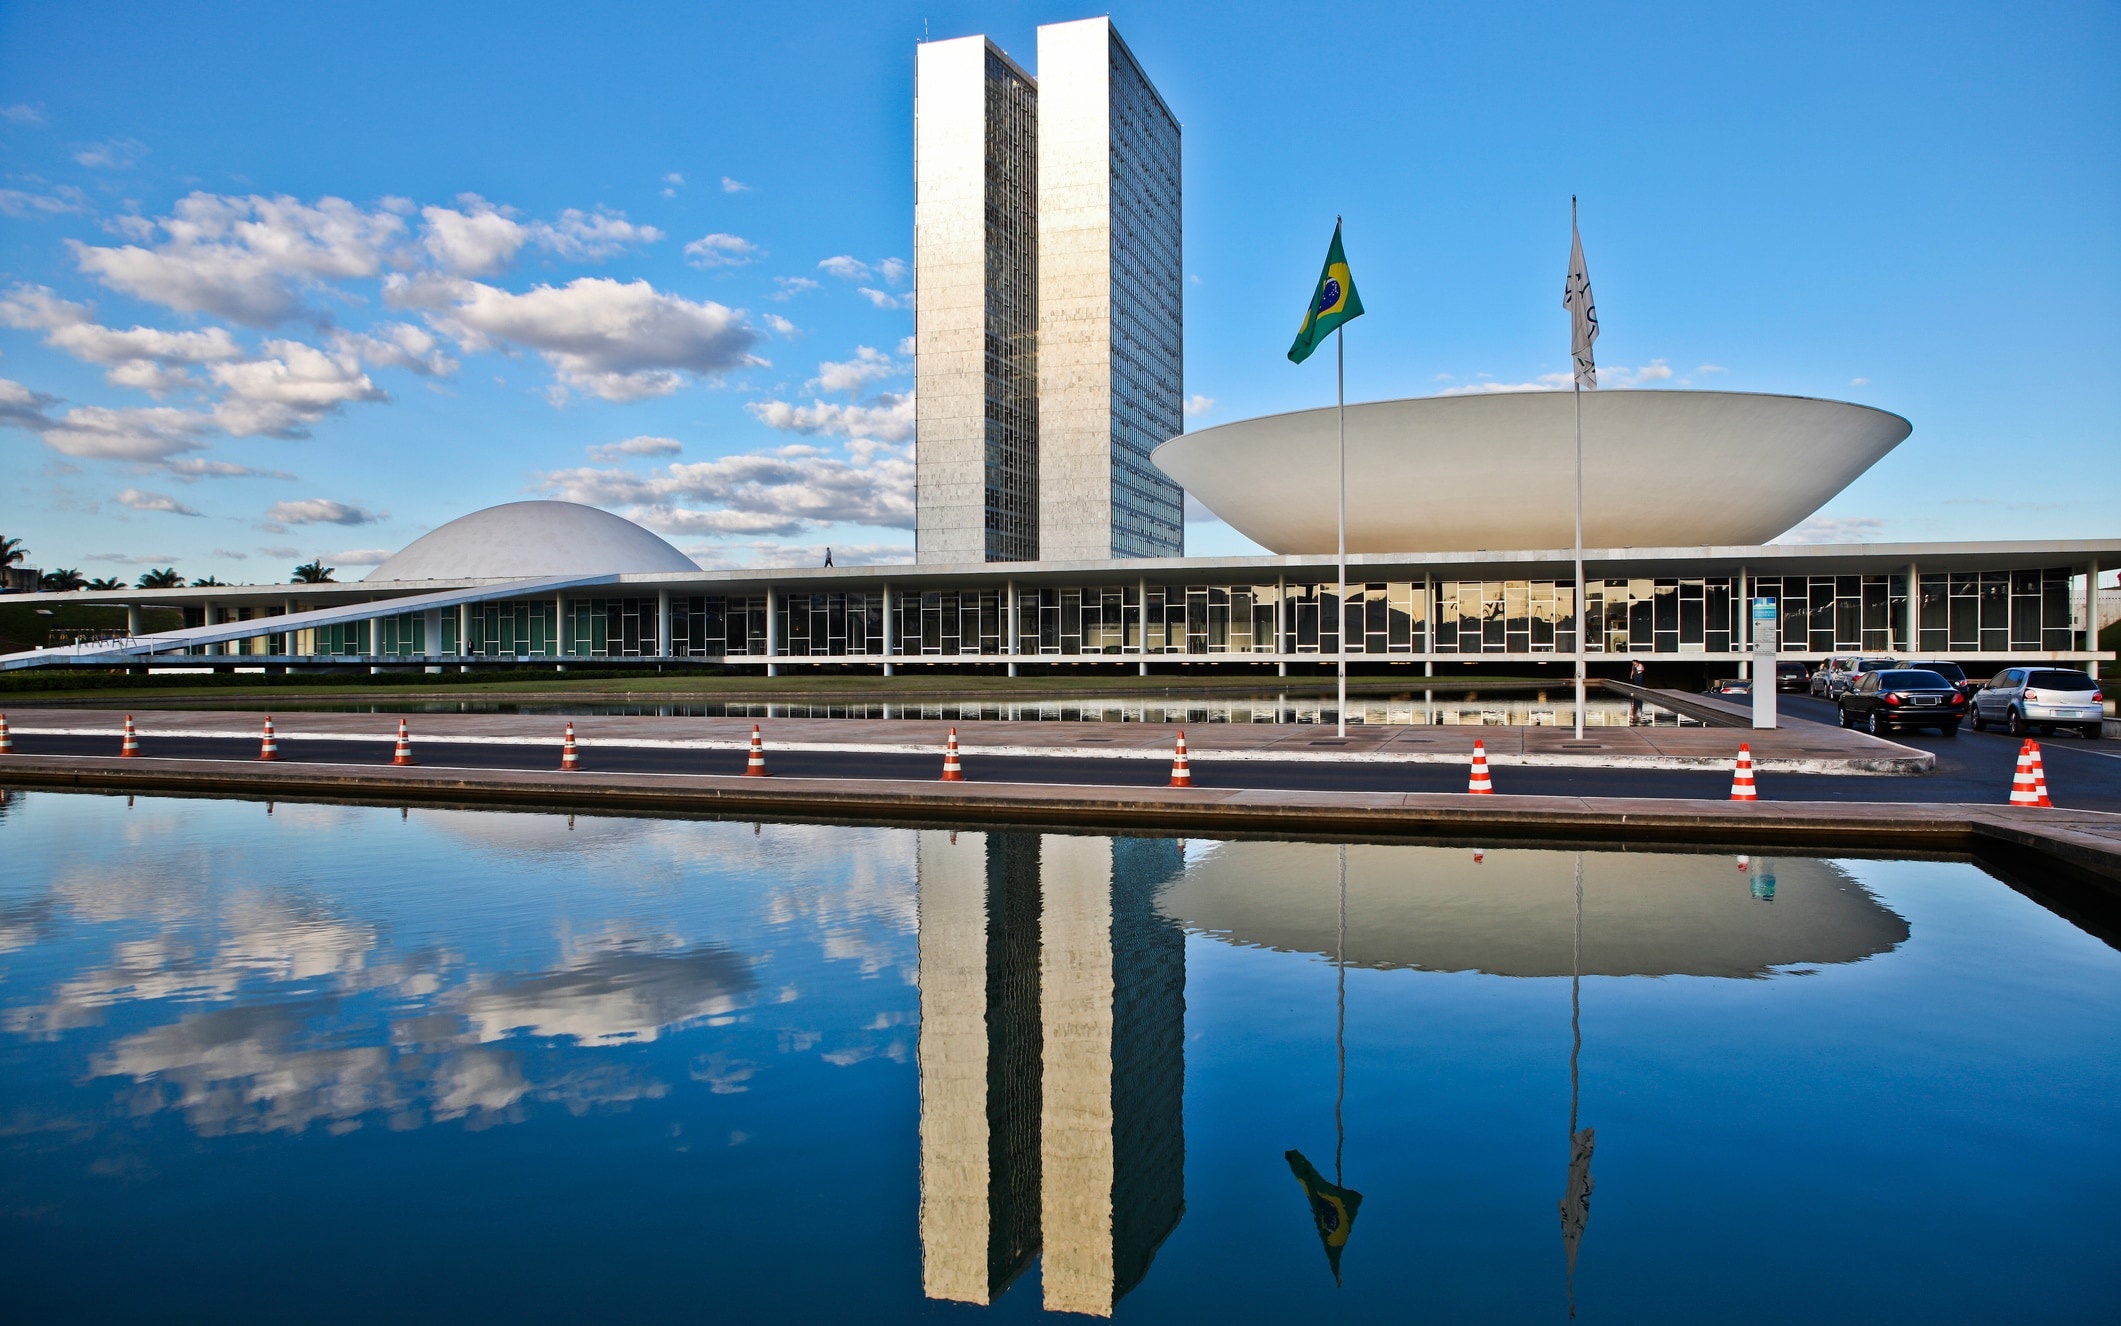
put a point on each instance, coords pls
(1049, 318)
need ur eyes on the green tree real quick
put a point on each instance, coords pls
(106, 582)
(207, 582)
(65, 580)
(164, 578)
(313, 573)
(11, 551)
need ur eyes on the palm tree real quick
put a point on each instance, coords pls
(207, 582)
(11, 551)
(165, 578)
(106, 582)
(65, 580)
(313, 573)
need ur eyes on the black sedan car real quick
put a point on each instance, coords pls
(1791, 675)
(1879, 702)
(1951, 672)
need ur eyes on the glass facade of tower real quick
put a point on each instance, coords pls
(1148, 316)
(1011, 333)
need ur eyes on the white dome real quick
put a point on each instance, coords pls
(1661, 469)
(522, 539)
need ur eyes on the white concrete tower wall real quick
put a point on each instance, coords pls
(1111, 321)
(975, 259)
(955, 1178)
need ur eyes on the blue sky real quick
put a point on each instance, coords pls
(282, 281)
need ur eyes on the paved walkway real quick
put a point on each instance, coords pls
(1799, 747)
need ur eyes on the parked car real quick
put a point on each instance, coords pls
(1792, 676)
(1951, 672)
(1846, 671)
(2039, 700)
(1823, 675)
(1887, 698)
(1734, 686)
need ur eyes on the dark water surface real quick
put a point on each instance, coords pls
(335, 1064)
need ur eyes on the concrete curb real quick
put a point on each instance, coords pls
(2085, 841)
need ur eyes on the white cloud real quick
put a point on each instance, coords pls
(734, 186)
(1546, 382)
(846, 267)
(720, 250)
(231, 554)
(1609, 375)
(907, 345)
(1859, 382)
(1198, 405)
(591, 236)
(397, 345)
(63, 200)
(617, 340)
(143, 357)
(718, 556)
(191, 469)
(111, 154)
(290, 387)
(851, 375)
(244, 258)
(791, 286)
(279, 550)
(475, 238)
(779, 492)
(889, 417)
(321, 511)
(1835, 529)
(357, 557)
(150, 436)
(28, 116)
(893, 270)
(615, 452)
(672, 183)
(780, 325)
(883, 299)
(1711, 368)
(141, 500)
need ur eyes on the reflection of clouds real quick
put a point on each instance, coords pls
(620, 993)
(24, 924)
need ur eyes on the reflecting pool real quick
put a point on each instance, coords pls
(343, 1063)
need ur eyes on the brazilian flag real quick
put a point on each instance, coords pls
(1332, 1208)
(1333, 303)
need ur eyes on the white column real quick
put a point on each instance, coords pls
(431, 628)
(1743, 627)
(209, 615)
(662, 623)
(464, 637)
(1141, 668)
(1281, 639)
(559, 628)
(890, 633)
(375, 641)
(2091, 612)
(1012, 643)
(1914, 608)
(136, 619)
(773, 631)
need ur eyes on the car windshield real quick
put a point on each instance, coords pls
(1948, 671)
(1790, 669)
(1874, 665)
(2049, 679)
(1912, 679)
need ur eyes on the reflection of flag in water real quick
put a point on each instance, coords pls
(1332, 1207)
(1576, 1200)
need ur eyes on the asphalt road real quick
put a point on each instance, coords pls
(1977, 767)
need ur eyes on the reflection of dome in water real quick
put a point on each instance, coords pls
(1512, 915)
(519, 539)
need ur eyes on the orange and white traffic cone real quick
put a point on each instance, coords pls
(756, 767)
(1478, 783)
(404, 751)
(2029, 784)
(569, 761)
(1181, 768)
(7, 739)
(1480, 855)
(131, 747)
(269, 746)
(1745, 864)
(953, 772)
(1742, 788)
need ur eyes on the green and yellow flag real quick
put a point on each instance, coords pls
(1333, 303)
(1332, 1207)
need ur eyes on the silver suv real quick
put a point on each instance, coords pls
(1836, 675)
(2039, 700)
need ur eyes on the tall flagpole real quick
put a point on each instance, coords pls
(1582, 590)
(1340, 416)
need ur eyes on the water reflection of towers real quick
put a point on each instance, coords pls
(1051, 1062)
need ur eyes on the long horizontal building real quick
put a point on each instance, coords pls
(1978, 603)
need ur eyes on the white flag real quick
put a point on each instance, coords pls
(1583, 314)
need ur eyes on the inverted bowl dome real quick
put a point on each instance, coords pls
(1462, 473)
(522, 539)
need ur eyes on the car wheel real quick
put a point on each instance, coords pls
(1973, 715)
(2094, 731)
(1843, 715)
(1873, 726)
(1950, 729)
(2014, 722)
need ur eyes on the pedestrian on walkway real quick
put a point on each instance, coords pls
(828, 556)
(1636, 671)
